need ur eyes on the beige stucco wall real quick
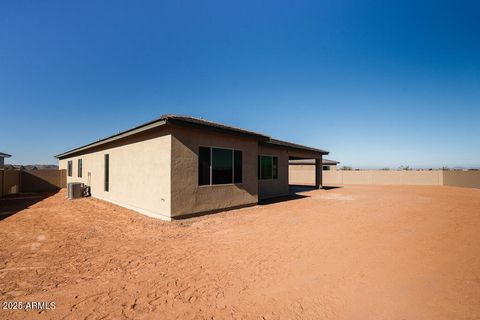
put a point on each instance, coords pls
(190, 198)
(43, 180)
(301, 174)
(139, 172)
(305, 175)
(10, 181)
(383, 177)
(468, 179)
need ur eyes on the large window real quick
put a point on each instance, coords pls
(267, 167)
(69, 168)
(219, 166)
(80, 167)
(107, 173)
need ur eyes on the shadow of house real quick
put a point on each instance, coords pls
(22, 189)
(40, 181)
(294, 191)
(289, 197)
(330, 187)
(13, 203)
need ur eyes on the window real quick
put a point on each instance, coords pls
(222, 166)
(69, 168)
(267, 167)
(219, 166)
(326, 168)
(80, 168)
(107, 172)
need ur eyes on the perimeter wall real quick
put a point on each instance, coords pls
(15, 181)
(305, 175)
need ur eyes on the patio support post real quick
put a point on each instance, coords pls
(318, 173)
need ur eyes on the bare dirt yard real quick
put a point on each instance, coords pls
(357, 252)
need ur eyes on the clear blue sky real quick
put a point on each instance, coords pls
(377, 83)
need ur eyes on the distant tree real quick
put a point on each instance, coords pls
(406, 168)
(385, 169)
(445, 168)
(346, 168)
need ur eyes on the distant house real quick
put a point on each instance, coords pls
(2, 159)
(178, 166)
(302, 172)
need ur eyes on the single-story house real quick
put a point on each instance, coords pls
(178, 166)
(302, 171)
(2, 159)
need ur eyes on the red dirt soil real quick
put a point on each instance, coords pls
(357, 252)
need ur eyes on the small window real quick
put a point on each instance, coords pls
(219, 166)
(69, 168)
(80, 168)
(107, 172)
(268, 167)
(326, 168)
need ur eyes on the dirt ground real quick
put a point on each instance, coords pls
(357, 252)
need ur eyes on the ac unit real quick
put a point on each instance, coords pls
(74, 190)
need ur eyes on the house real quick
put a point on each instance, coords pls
(302, 171)
(2, 159)
(178, 166)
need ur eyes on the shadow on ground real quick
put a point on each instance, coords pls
(289, 197)
(294, 191)
(13, 203)
(330, 187)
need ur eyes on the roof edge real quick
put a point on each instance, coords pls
(164, 119)
(290, 145)
(144, 127)
(191, 122)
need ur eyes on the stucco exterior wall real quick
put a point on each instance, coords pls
(139, 176)
(274, 187)
(190, 198)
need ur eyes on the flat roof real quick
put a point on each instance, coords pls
(190, 122)
(5, 155)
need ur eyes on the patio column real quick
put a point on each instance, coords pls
(318, 173)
